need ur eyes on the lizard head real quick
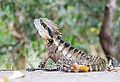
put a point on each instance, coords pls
(46, 28)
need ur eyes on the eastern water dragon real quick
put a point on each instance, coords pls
(61, 52)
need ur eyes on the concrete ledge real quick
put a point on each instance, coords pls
(43, 76)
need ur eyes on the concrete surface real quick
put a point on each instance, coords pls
(43, 76)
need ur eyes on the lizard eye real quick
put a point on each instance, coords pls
(44, 25)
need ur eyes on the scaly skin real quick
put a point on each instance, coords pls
(62, 53)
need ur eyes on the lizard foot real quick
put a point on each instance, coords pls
(112, 65)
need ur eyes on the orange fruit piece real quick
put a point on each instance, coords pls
(83, 68)
(79, 68)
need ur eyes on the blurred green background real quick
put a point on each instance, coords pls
(78, 20)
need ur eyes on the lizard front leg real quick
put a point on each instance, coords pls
(43, 61)
(41, 64)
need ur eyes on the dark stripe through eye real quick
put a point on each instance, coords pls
(50, 32)
(47, 28)
(44, 25)
(67, 45)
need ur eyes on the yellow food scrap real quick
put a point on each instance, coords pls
(79, 68)
(83, 68)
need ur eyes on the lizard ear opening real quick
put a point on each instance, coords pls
(49, 42)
